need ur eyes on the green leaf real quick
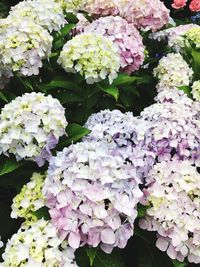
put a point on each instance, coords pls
(9, 166)
(66, 29)
(58, 84)
(111, 90)
(196, 63)
(3, 97)
(68, 97)
(108, 260)
(91, 252)
(71, 18)
(179, 264)
(74, 133)
(142, 210)
(42, 213)
(124, 78)
(185, 89)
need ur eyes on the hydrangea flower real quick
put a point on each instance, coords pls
(29, 199)
(196, 90)
(145, 14)
(72, 6)
(23, 46)
(174, 130)
(38, 245)
(46, 13)
(99, 8)
(125, 36)
(92, 55)
(92, 193)
(126, 134)
(173, 197)
(175, 36)
(172, 71)
(193, 36)
(30, 126)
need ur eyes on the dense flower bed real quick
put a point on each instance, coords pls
(100, 133)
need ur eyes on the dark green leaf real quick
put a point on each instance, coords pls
(185, 89)
(3, 97)
(9, 166)
(91, 252)
(142, 210)
(196, 63)
(71, 18)
(74, 133)
(42, 213)
(108, 260)
(58, 84)
(124, 78)
(179, 264)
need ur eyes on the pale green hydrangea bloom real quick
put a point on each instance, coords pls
(45, 13)
(92, 55)
(29, 199)
(38, 245)
(172, 72)
(193, 36)
(72, 6)
(196, 90)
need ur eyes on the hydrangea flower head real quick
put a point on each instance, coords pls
(196, 90)
(172, 71)
(72, 6)
(145, 14)
(92, 55)
(38, 245)
(92, 193)
(125, 36)
(29, 199)
(46, 13)
(174, 198)
(174, 130)
(99, 8)
(30, 126)
(193, 36)
(23, 46)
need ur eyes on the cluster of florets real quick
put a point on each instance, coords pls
(92, 55)
(29, 200)
(192, 36)
(23, 46)
(92, 193)
(124, 35)
(146, 14)
(30, 126)
(126, 134)
(173, 71)
(72, 6)
(196, 90)
(45, 13)
(173, 197)
(38, 245)
(174, 128)
(176, 35)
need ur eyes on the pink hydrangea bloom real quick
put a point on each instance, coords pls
(92, 193)
(177, 4)
(100, 8)
(125, 35)
(145, 14)
(195, 5)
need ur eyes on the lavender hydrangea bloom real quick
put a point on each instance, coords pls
(30, 126)
(92, 193)
(173, 196)
(126, 134)
(174, 130)
(124, 35)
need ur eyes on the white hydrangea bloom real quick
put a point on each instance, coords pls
(38, 245)
(46, 13)
(92, 55)
(172, 71)
(196, 90)
(29, 199)
(31, 125)
(173, 195)
(23, 46)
